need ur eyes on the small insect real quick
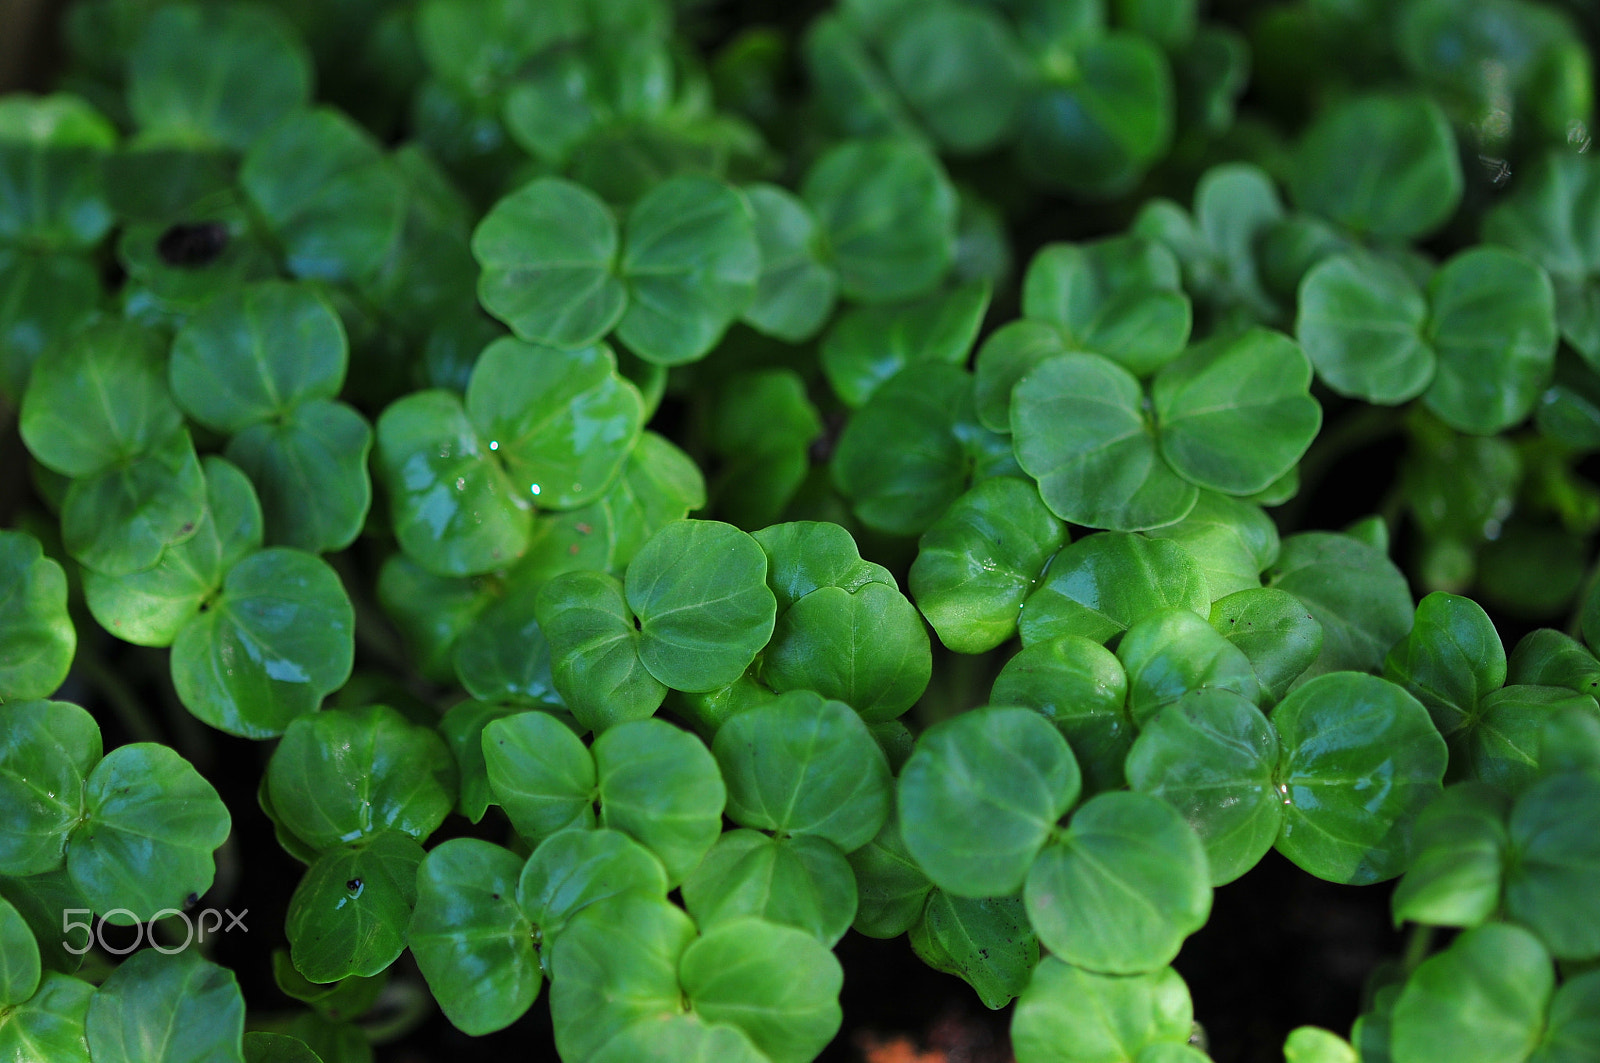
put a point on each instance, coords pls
(193, 245)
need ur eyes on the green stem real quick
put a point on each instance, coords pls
(118, 695)
(1418, 944)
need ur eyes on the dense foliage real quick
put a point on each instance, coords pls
(667, 491)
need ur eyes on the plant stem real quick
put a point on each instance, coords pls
(118, 696)
(1418, 943)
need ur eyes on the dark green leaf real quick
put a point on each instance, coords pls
(1555, 844)
(37, 639)
(343, 775)
(471, 940)
(159, 1007)
(594, 650)
(1360, 321)
(1174, 652)
(660, 786)
(978, 563)
(1356, 594)
(1212, 756)
(1461, 844)
(699, 590)
(575, 868)
(985, 941)
(797, 287)
(310, 469)
(1070, 1015)
(540, 773)
(1080, 686)
(548, 253)
(980, 797)
(1360, 759)
(52, 171)
(1103, 584)
(349, 914)
(1122, 887)
(1451, 660)
(50, 1025)
(802, 881)
(277, 640)
(118, 521)
(1482, 999)
(868, 345)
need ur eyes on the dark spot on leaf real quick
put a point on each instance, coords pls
(188, 527)
(353, 885)
(494, 896)
(191, 900)
(194, 245)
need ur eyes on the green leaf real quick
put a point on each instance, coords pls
(1174, 652)
(691, 263)
(1483, 998)
(562, 421)
(797, 287)
(1312, 1044)
(1358, 596)
(1080, 686)
(310, 469)
(1361, 321)
(327, 193)
(1212, 756)
(1548, 217)
(1122, 887)
(594, 650)
(868, 345)
(19, 957)
(254, 354)
(343, 1001)
(977, 564)
(277, 640)
(99, 401)
(1235, 416)
(1461, 844)
(892, 889)
(777, 984)
(277, 1048)
(462, 730)
(1119, 297)
(1360, 759)
(1082, 432)
(503, 656)
(348, 915)
(151, 607)
(1500, 744)
(889, 215)
(805, 555)
(52, 169)
(548, 252)
(1094, 127)
(50, 1024)
(699, 590)
(1004, 358)
(614, 966)
(540, 773)
(866, 647)
(1493, 322)
(658, 485)
(37, 639)
(1451, 660)
(40, 900)
(660, 786)
(575, 868)
(1070, 1015)
(118, 521)
(219, 74)
(1384, 166)
(907, 454)
(960, 70)
(430, 612)
(159, 1007)
(683, 1038)
(980, 797)
(346, 774)
(1570, 1031)
(1570, 741)
(1233, 541)
(802, 881)
(987, 942)
(145, 837)
(455, 510)
(1549, 882)
(43, 299)
(800, 765)
(1103, 584)
(471, 940)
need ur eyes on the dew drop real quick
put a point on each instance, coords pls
(534, 488)
(494, 444)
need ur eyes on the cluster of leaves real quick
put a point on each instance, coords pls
(557, 281)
